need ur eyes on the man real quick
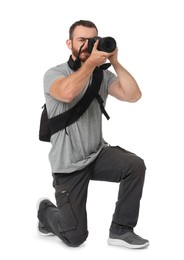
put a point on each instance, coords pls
(80, 154)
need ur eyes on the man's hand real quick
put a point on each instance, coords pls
(113, 58)
(98, 57)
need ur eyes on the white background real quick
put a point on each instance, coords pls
(150, 41)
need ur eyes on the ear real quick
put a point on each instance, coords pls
(69, 44)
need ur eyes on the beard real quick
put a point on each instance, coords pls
(84, 55)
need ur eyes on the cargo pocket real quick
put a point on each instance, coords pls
(68, 220)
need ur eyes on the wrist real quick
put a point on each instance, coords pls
(115, 63)
(89, 64)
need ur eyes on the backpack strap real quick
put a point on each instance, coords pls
(67, 118)
(48, 127)
(100, 101)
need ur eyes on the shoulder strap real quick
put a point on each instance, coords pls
(65, 119)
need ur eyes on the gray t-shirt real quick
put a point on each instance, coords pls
(75, 150)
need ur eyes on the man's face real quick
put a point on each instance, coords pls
(80, 36)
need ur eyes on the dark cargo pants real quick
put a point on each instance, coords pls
(69, 219)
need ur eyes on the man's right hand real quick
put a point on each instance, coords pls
(98, 57)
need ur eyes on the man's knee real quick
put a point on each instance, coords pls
(74, 240)
(137, 164)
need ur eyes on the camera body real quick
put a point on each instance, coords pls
(106, 44)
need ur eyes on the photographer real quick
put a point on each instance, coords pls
(79, 153)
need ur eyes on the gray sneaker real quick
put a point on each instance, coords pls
(129, 240)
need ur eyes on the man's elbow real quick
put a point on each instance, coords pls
(136, 97)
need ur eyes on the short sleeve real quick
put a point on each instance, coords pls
(108, 79)
(111, 78)
(50, 76)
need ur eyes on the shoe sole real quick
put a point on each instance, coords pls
(119, 242)
(37, 208)
(44, 234)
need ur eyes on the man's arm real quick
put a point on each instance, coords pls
(67, 88)
(125, 88)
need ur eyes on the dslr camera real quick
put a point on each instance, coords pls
(106, 44)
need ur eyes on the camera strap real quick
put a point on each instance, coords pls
(68, 117)
(75, 65)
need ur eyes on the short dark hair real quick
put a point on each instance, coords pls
(84, 23)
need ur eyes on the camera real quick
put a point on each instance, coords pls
(106, 44)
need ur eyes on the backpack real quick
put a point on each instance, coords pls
(48, 127)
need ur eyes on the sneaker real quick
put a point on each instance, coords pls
(129, 240)
(43, 230)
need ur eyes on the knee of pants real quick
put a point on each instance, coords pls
(137, 165)
(74, 240)
(140, 164)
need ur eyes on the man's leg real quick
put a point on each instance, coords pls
(69, 219)
(115, 164)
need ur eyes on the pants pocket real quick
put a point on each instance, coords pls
(68, 220)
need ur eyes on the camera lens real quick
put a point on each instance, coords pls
(107, 44)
